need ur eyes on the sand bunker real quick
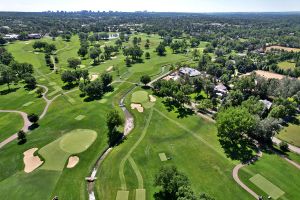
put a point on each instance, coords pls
(137, 106)
(114, 57)
(31, 162)
(152, 98)
(73, 161)
(110, 68)
(94, 77)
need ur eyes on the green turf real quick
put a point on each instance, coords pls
(28, 104)
(276, 170)
(291, 134)
(10, 123)
(140, 97)
(77, 140)
(56, 153)
(80, 117)
(162, 157)
(140, 194)
(122, 195)
(102, 101)
(285, 65)
(268, 187)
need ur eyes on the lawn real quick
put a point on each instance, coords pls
(278, 172)
(190, 143)
(286, 65)
(10, 123)
(291, 134)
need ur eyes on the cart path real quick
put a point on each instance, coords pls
(291, 147)
(24, 115)
(25, 128)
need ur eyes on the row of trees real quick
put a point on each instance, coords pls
(13, 72)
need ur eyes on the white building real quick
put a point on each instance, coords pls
(11, 37)
(189, 71)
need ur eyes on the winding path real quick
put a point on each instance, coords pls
(291, 147)
(25, 128)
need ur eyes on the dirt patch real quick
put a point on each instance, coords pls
(73, 161)
(266, 74)
(31, 162)
(137, 106)
(282, 48)
(110, 68)
(94, 77)
(152, 98)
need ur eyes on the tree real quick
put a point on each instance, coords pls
(161, 50)
(284, 146)
(74, 62)
(205, 104)
(22, 69)
(50, 48)
(173, 185)
(2, 41)
(39, 45)
(83, 51)
(147, 55)
(30, 81)
(106, 80)
(196, 54)
(113, 121)
(68, 77)
(7, 75)
(33, 118)
(39, 91)
(95, 53)
(21, 137)
(93, 89)
(235, 125)
(145, 79)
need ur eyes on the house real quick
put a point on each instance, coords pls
(267, 104)
(220, 90)
(34, 36)
(189, 71)
(11, 37)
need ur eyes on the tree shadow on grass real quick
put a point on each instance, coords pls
(179, 109)
(20, 142)
(33, 126)
(8, 91)
(70, 86)
(241, 151)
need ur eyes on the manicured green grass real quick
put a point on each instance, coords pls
(122, 195)
(268, 187)
(291, 134)
(56, 153)
(276, 170)
(77, 141)
(140, 194)
(10, 123)
(192, 145)
(140, 97)
(286, 65)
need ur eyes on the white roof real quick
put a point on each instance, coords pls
(267, 103)
(189, 71)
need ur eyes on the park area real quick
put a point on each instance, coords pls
(291, 133)
(72, 134)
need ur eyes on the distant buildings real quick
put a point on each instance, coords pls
(11, 37)
(34, 36)
(189, 71)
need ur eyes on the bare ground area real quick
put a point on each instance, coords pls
(73, 161)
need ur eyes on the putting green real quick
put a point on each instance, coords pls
(122, 195)
(267, 186)
(57, 152)
(140, 97)
(77, 140)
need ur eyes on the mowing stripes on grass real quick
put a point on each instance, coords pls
(122, 195)
(140, 194)
(28, 104)
(266, 186)
(137, 172)
(163, 157)
(80, 117)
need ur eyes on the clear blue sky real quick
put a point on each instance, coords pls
(152, 5)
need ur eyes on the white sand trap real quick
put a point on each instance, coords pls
(137, 106)
(94, 77)
(110, 68)
(73, 161)
(152, 98)
(31, 162)
(114, 57)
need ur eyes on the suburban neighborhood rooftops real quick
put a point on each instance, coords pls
(266, 103)
(189, 71)
(221, 88)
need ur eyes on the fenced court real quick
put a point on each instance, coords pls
(266, 186)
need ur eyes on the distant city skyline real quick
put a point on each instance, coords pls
(195, 6)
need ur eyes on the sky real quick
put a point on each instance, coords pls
(152, 5)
